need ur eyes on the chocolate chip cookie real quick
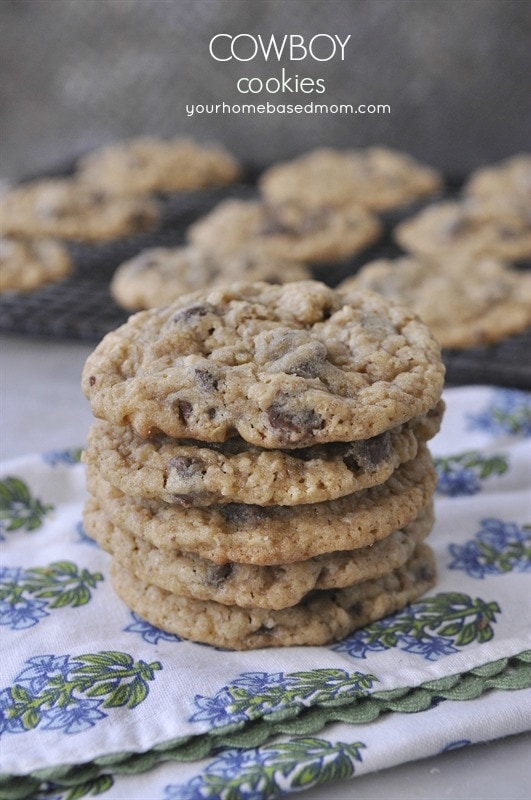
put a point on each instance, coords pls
(268, 535)
(509, 180)
(66, 209)
(178, 471)
(376, 178)
(311, 236)
(158, 276)
(464, 301)
(468, 229)
(283, 367)
(149, 164)
(245, 585)
(323, 616)
(28, 264)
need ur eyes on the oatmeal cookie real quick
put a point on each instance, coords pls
(322, 617)
(467, 229)
(376, 178)
(161, 275)
(28, 264)
(64, 208)
(178, 471)
(508, 180)
(272, 587)
(269, 535)
(465, 302)
(311, 236)
(148, 164)
(283, 366)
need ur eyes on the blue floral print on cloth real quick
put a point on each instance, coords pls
(85, 679)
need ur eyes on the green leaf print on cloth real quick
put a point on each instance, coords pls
(18, 509)
(26, 595)
(272, 770)
(70, 693)
(434, 627)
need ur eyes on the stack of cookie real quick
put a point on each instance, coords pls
(259, 468)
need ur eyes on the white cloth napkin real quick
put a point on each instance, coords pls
(89, 693)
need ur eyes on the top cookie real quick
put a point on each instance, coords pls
(509, 179)
(283, 366)
(377, 178)
(63, 208)
(148, 164)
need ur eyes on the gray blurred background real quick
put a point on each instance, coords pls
(78, 73)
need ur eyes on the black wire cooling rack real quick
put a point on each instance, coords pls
(81, 307)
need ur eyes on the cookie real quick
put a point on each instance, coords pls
(272, 587)
(508, 180)
(465, 302)
(312, 236)
(467, 229)
(376, 178)
(28, 264)
(283, 366)
(148, 164)
(161, 275)
(177, 471)
(66, 209)
(322, 617)
(269, 535)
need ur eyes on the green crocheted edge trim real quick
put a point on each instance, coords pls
(505, 674)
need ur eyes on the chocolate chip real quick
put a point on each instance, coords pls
(508, 232)
(306, 369)
(144, 263)
(239, 514)
(183, 500)
(98, 198)
(92, 380)
(369, 453)
(299, 355)
(190, 313)
(140, 219)
(263, 630)
(273, 227)
(186, 466)
(217, 574)
(313, 220)
(303, 421)
(206, 380)
(424, 572)
(454, 227)
(184, 409)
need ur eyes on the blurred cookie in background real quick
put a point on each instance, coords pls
(468, 228)
(158, 276)
(464, 301)
(148, 164)
(66, 209)
(377, 178)
(28, 264)
(311, 236)
(509, 180)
